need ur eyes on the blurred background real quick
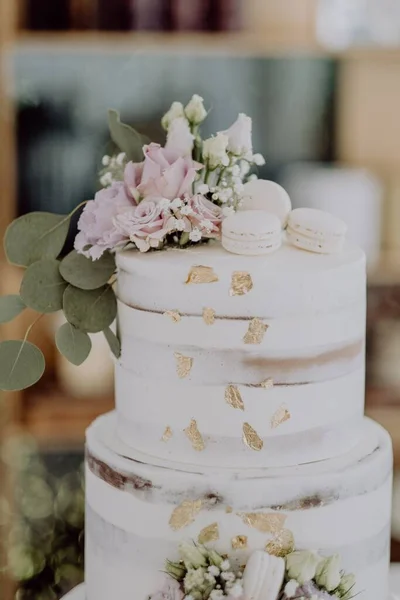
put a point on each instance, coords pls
(321, 79)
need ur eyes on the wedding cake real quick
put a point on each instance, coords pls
(238, 463)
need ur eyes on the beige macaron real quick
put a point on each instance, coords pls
(261, 194)
(316, 231)
(251, 232)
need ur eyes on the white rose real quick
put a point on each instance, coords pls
(195, 111)
(239, 136)
(302, 565)
(214, 150)
(191, 555)
(179, 138)
(328, 573)
(175, 112)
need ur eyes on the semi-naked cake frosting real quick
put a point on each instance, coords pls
(239, 418)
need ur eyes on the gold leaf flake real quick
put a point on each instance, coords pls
(233, 397)
(184, 514)
(209, 534)
(209, 316)
(239, 542)
(264, 522)
(255, 333)
(173, 315)
(167, 435)
(281, 544)
(183, 365)
(201, 274)
(267, 384)
(279, 417)
(251, 438)
(195, 436)
(241, 283)
(228, 510)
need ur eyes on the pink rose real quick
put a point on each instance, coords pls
(97, 232)
(206, 215)
(166, 174)
(144, 224)
(170, 591)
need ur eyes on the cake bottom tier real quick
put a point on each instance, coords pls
(140, 508)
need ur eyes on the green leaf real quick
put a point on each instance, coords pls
(21, 365)
(74, 344)
(125, 137)
(35, 236)
(90, 310)
(43, 287)
(113, 342)
(85, 273)
(10, 307)
(184, 239)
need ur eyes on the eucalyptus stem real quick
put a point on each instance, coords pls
(32, 325)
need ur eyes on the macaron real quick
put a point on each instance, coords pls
(251, 232)
(316, 231)
(261, 194)
(263, 576)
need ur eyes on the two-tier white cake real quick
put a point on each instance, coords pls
(239, 418)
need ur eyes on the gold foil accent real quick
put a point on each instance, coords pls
(279, 417)
(228, 510)
(167, 435)
(209, 534)
(281, 544)
(264, 522)
(251, 438)
(195, 436)
(184, 365)
(255, 333)
(173, 315)
(209, 316)
(267, 384)
(241, 283)
(239, 542)
(184, 514)
(233, 397)
(201, 274)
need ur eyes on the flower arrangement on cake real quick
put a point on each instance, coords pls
(204, 574)
(152, 197)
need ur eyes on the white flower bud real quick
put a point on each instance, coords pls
(195, 111)
(214, 150)
(328, 573)
(291, 588)
(190, 554)
(195, 235)
(175, 112)
(240, 137)
(302, 565)
(106, 160)
(258, 160)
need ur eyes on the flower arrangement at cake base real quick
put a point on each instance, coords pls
(203, 573)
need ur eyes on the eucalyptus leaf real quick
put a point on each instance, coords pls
(73, 343)
(21, 365)
(90, 310)
(85, 273)
(125, 137)
(10, 307)
(43, 287)
(35, 236)
(113, 342)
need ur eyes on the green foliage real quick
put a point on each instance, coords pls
(125, 137)
(35, 236)
(73, 343)
(113, 342)
(85, 273)
(43, 287)
(10, 307)
(90, 310)
(21, 365)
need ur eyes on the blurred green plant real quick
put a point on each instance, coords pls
(44, 527)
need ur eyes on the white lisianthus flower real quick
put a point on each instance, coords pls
(291, 588)
(175, 112)
(328, 573)
(215, 151)
(302, 565)
(195, 111)
(179, 138)
(191, 555)
(239, 136)
(346, 586)
(258, 160)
